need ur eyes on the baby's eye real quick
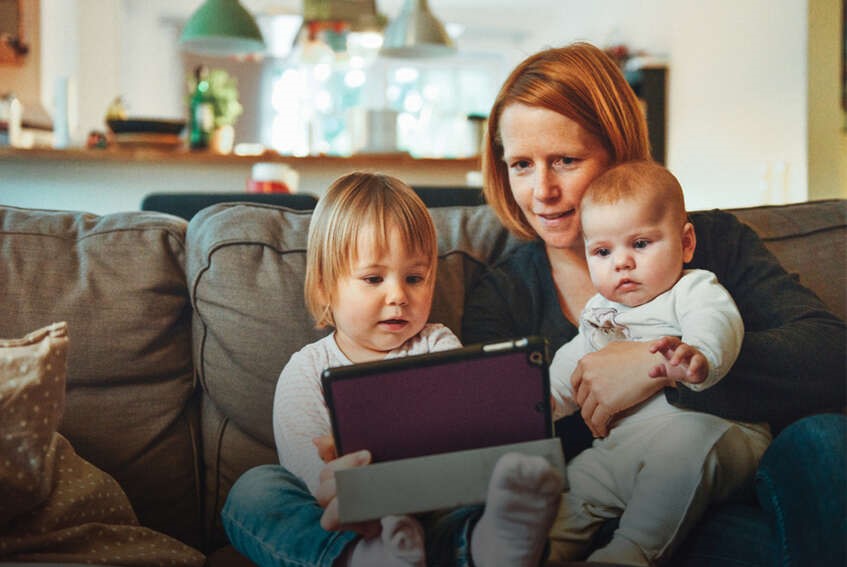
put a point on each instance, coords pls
(601, 252)
(639, 244)
(373, 280)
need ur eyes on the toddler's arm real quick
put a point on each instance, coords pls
(299, 416)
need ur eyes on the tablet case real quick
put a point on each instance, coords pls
(468, 398)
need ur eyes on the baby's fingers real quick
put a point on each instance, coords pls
(698, 370)
(682, 354)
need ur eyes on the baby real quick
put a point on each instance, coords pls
(658, 468)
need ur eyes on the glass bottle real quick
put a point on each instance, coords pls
(201, 115)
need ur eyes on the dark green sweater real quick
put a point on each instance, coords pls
(792, 361)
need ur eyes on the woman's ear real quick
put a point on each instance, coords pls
(689, 242)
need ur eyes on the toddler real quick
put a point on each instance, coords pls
(370, 275)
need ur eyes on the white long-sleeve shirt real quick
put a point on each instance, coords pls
(300, 412)
(698, 309)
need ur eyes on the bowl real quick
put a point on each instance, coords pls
(146, 126)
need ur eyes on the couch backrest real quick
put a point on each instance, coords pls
(245, 271)
(810, 240)
(119, 282)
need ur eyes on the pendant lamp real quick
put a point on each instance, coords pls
(222, 28)
(416, 32)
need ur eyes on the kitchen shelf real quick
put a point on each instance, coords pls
(188, 157)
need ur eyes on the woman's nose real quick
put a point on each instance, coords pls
(546, 184)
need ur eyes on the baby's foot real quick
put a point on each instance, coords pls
(400, 544)
(523, 498)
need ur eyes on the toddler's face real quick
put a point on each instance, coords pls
(635, 252)
(385, 299)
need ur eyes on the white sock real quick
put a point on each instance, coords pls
(400, 544)
(523, 499)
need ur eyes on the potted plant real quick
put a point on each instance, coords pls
(221, 92)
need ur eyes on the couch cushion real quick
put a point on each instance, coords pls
(245, 270)
(809, 239)
(119, 283)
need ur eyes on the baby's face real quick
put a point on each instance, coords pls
(384, 300)
(635, 252)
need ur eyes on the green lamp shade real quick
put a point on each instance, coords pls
(222, 27)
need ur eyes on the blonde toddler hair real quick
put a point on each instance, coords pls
(353, 203)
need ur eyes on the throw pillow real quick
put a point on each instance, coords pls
(57, 507)
(32, 399)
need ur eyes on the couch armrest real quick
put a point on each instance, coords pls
(802, 484)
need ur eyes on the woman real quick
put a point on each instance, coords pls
(561, 118)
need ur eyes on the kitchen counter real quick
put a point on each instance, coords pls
(111, 180)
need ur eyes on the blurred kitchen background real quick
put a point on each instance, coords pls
(753, 94)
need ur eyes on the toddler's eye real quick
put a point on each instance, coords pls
(372, 279)
(641, 244)
(415, 279)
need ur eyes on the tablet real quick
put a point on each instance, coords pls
(472, 397)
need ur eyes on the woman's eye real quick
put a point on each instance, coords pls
(564, 161)
(521, 164)
(639, 244)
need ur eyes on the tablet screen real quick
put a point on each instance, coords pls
(468, 398)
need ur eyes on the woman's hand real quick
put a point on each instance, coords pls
(613, 379)
(326, 493)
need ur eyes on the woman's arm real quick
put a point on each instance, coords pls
(792, 360)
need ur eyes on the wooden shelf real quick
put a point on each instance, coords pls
(188, 157)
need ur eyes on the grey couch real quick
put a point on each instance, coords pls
(178, 331)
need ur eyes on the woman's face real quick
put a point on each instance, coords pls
(551, 160)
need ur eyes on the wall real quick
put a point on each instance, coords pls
(827, 130)
(25, 79)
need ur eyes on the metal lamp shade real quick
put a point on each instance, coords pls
(222, 27)
(416, 32)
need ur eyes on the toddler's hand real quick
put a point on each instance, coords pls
(326, 494)
(326, 447)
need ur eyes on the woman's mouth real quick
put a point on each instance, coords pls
(556, 216)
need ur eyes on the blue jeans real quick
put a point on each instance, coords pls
(272, 518)
(802, 484)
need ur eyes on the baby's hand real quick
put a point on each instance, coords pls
(684, 362)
